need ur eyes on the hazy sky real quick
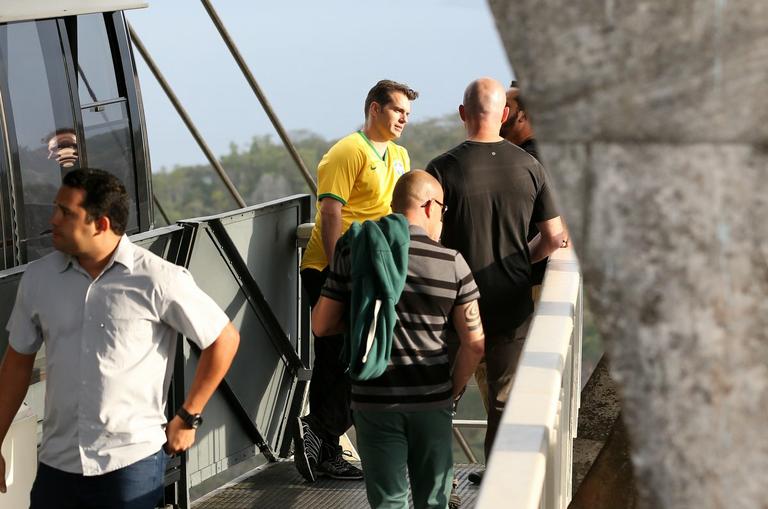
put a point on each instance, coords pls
(315, 62)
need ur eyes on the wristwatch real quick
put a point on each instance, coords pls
(192, 420)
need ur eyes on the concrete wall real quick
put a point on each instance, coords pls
(653, 118)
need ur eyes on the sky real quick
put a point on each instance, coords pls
(315, 62)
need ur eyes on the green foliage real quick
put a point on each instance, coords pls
(262, 172)
(265, 171)
(430, 138)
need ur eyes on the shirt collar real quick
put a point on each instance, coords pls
(418, 230)
(122, 255)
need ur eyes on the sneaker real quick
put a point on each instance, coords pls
(307, 449)
(339, 468)
(476, 477)
(454, 501)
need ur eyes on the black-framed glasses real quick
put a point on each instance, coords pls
(443, 207)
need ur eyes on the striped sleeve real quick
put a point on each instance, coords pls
(338, 283)
(467, 289)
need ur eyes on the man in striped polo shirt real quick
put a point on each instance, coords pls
(403, 417)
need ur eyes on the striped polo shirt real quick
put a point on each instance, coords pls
(418, 374)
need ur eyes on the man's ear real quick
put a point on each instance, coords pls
(505, 115)
(428, 208)
(103, 224)
(462, 113)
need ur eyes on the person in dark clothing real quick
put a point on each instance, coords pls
(493, 190)
(517, 128)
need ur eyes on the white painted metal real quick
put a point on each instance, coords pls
(303, 232)
(24, 10)
(20, 452)
(531, 462)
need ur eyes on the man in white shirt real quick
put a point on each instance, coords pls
(108, 313)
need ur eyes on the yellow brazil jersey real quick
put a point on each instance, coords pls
(355, 174)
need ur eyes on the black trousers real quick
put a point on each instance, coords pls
(329, 389)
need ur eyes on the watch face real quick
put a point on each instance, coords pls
(196, 421)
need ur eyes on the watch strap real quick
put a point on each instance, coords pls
(191, 420)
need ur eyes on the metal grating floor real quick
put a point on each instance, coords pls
(279, 486)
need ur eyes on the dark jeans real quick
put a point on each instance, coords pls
(499, 365)
(137, 486)
(329, 389)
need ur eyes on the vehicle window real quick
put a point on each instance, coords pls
(93, 60)
(40, 117)
(108, 141)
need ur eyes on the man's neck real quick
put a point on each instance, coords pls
(483, 133)
(485, 138)
(378, 141)
(94, 262)
(522, 136)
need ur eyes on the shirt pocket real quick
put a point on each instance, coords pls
(126, 342)
(129, 330)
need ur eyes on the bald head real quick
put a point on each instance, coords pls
(413, 189)
(485, 98)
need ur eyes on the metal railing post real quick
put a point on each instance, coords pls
(259, 95)
(185, 117)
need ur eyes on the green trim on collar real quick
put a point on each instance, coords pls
(334, 196)
(383, 158)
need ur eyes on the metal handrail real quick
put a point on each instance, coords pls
(260, 95)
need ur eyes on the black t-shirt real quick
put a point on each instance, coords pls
(493, 191)
(539, 268)
(531, 147)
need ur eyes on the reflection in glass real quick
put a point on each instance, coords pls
(62, 147)
(108, 140)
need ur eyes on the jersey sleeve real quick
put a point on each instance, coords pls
(544, 208)
(467, 288)
(337, 172)
(25, 334)
(190, 310)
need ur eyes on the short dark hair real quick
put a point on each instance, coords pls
(381, 93)
(105, 195)
(520, 103)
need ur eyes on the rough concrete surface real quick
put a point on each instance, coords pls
(610, 482)
(600, 407)
(653, 118)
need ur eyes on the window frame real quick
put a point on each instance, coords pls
(12, 189)
(11, 183)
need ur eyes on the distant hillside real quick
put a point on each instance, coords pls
(264, 170)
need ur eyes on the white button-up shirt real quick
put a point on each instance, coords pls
(110, 344)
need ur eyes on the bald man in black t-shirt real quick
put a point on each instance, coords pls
(493, 190)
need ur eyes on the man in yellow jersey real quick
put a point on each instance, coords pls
(356, 178)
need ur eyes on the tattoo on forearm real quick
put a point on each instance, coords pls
(472, 317)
